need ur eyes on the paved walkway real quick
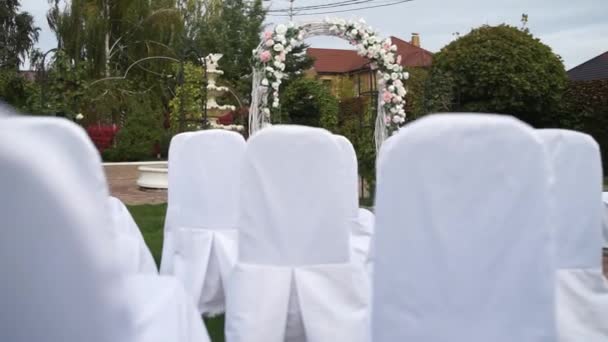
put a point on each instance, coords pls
(122, 180)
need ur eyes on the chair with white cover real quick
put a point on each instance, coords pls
(63, 256)
(582, 290)
(131, 239)
(462, 244)
(203, 201)
(294, 280)
(362, 220)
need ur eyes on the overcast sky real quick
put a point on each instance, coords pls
(577, 30)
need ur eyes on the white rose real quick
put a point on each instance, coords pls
(275, 85)
(265, 82)
(391, 88)
(275, 104)
(293, 42)
(394, 76)
(269, 69)
(401, 112)
(333, 28)
(393, 47)
(354, 32)
(79, 116)
(396, 68)
(278, 47)
(396, 119)
(278, 75)
(254, 52)
(288, 49)
(269, 42)
(398, 83)
(301, 36)
(401, 91)
(280, 38)
(266, 111)
(406, 75)
(394, 110)
(386, 77)
(281, 29)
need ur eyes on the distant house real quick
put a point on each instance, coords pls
(593, 69)
(332, 64)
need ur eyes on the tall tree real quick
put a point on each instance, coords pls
(233, 28)
(18, 34)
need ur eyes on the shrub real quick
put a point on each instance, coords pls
(356, 122)
(503, 69)
(142, 132)
(586, 109)
(307, 102)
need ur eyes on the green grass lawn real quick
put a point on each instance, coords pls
(150, 219)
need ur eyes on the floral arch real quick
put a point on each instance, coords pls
(269, 65)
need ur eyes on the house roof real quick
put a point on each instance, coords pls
(411, 55)
(593, 69)
(337, 61)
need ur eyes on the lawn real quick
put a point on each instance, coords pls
(150, 219)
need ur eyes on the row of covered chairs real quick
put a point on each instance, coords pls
(485, 230)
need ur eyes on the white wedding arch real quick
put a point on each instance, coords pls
(269, 65)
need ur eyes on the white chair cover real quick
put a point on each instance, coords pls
(203, 199)
(63, 257)
(462, 244)
(131, 240)
(362, 220)
(294, 281)
(582, 290)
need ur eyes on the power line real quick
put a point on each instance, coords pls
(292, 14)
(321, 6)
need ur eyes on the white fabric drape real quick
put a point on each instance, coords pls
(362, 220)
(294, 280)
(201, 249)
(462, 242)
(582, 290)
(62, 278)
(131, 240)
(605, 221)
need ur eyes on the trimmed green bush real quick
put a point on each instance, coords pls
(503, 69)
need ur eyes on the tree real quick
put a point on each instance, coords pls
(233, 28)
(18, 34)
(503, 69)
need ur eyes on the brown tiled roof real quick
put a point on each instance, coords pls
(336, 61)
(411, 55)
(593, 69)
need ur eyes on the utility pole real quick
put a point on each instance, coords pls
(291, 9)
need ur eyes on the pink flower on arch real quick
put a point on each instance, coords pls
(265, 56)
(267, 35)
(282, 56)
(399, 59)
(386, 96)
(387, 120)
